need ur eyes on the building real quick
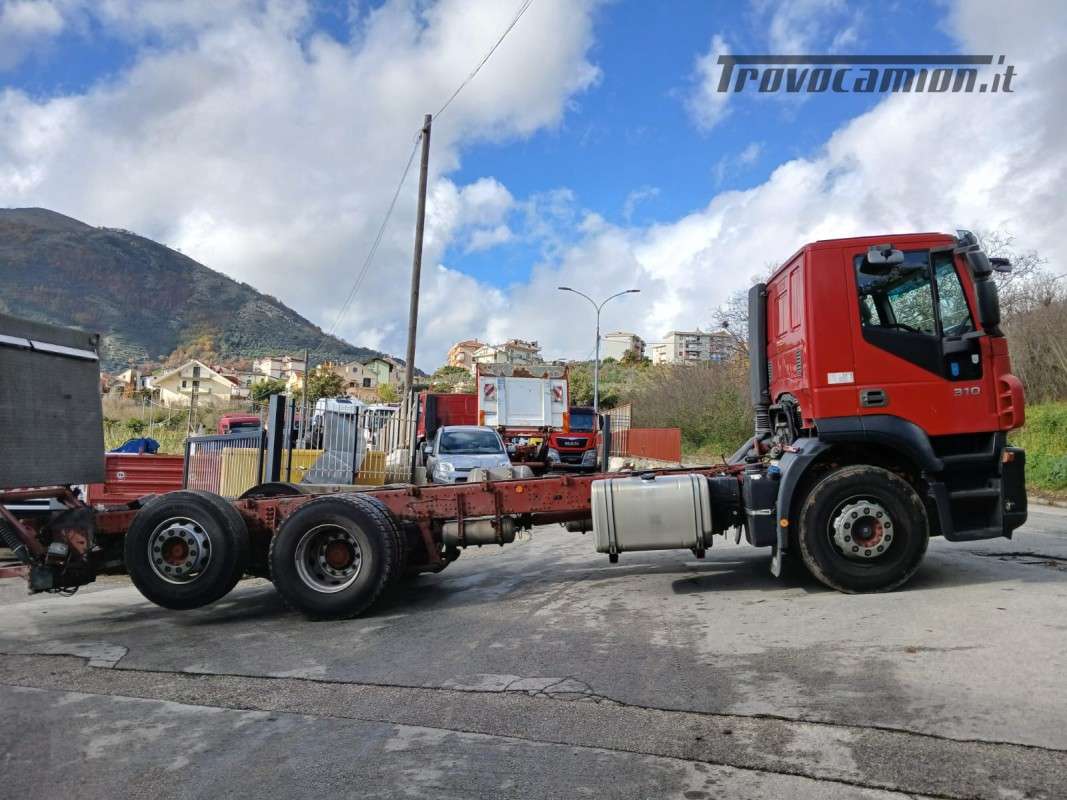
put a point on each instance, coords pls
(385, 370)
(278, 367)
(177, 386)
(616, 345)
(693, 347)
(359, 382)
(461, 354)
(513, 351)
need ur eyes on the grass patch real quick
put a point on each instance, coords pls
(1045, 439)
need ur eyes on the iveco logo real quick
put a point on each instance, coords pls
(967, 391)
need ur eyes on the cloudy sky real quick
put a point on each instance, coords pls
(265, 138)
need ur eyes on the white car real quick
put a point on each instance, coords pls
(457, 449)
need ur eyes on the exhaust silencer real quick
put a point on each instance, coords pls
(479, 532)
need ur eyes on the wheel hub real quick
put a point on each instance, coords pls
(862, 530)
(328, 558)
(179, 550)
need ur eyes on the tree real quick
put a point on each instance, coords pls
(387, 393)
(631, 359)
(324, 384)
(262, 390)
(450, 379)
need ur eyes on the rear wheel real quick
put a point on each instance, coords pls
(335, 555)
(862, 529)
(186, 549)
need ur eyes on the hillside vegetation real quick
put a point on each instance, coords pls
(150, 303)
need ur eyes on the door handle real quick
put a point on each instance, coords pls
(873, 398)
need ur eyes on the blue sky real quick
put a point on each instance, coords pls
(264, 138)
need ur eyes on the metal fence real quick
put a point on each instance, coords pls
(662, 444)
(339, 441)
(620, 423)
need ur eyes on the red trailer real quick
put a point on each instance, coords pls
(882, 397)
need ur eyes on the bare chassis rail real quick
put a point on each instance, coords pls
(534, 501)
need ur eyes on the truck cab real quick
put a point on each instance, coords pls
(576, 447)
(883, 352)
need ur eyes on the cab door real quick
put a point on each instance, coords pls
(918, 355)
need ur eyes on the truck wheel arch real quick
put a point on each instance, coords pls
(814, 455)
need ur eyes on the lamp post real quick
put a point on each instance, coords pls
(596, 362)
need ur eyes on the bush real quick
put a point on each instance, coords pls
(1045, 439)
(708, 402)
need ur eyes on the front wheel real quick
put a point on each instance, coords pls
(862, 529)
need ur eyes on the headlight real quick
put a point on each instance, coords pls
(446, 467)
(553, 454)
(589, 458)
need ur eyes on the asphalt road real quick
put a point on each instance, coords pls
(540, 670)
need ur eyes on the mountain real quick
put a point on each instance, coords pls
(150, 303)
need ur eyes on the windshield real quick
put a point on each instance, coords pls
(583, 421)
(233, 426)
(470, 443)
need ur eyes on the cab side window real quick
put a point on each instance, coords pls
(952, 302)
(898, 297)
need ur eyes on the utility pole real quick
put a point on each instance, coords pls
(416, 263)
(304, 404)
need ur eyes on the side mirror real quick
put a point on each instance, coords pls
(988, 305)
(1001, 264)
(979, 263)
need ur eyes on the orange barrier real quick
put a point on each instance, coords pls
(664, 444)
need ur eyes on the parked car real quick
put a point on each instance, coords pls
(457, 449)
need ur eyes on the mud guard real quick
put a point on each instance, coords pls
(793, 466)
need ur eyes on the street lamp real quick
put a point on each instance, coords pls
(596, 362)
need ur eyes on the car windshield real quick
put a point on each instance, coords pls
(242, 425)
(582, 421)
(471, 443)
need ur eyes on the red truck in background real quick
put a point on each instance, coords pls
(438, 409)
(239, 423)
(577, 446)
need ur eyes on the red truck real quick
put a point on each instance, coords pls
(239, 423)
(439, 409)
(882, 395)
(576, 447)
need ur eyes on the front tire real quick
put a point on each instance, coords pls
(186, 549)
(335, 555)
(862, 529)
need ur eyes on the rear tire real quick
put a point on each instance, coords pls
(335, 555)
(186, 549)
(862, 529)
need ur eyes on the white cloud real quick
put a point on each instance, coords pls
(273, 157)
(24, 24)
(487, 238)
(910, 164)
(707, 106)
(270, 151)
(636, 197)
(797, 26)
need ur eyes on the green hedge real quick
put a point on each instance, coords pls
(1045, 439)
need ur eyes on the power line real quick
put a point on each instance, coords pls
(515, 21)
(407, 167)
(373, 249)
